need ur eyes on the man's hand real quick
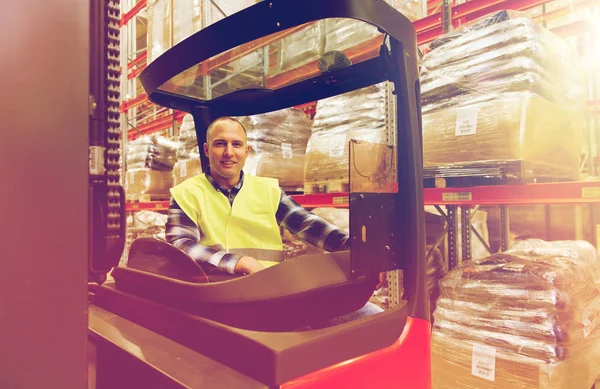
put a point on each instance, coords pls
(382, 280)
(248, 265)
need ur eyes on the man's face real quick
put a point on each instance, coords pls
(226, 150)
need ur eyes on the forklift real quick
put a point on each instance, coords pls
(164, 321)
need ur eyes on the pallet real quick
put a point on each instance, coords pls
(487, 174)
(146, 197)
(333, 186)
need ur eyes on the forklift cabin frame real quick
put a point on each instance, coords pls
(397, 62)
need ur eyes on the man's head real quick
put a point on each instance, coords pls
(226, 148)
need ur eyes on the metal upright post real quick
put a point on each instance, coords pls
(504, 228)
(465, 232)
(452, 237)
(446, 16)
(205, 10)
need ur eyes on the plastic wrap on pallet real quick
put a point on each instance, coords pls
(478, 24)
(525, 318)
(220, 9)
(187, 141)
(278, 145)
(187, 19)
(159, 28)
(299, 48)
(147, 224)
(295, 247)
(186, 168)
(359, 115)
(511, 56)
(342, 34)
(509, 127)
(314, 39)
(153, 152)
(148, 182)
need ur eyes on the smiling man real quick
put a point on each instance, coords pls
(226, 220)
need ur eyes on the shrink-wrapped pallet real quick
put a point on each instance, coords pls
(512, 55)
(159, 28)
(187, 141)
(358, 115)
(147, 224)
(278, 146)
(152, 152)
(536, 136)
(343, 33)
(526, 318)
(148, 182)
(500, 98)
(188, 157)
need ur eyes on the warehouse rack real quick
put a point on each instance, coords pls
(468, 200)
(441, 16)
(428, 28)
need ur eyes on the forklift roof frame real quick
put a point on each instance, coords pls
(397, 62)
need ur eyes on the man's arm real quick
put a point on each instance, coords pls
(313, 229)
(184, 234)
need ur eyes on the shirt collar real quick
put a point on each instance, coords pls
(218, 187)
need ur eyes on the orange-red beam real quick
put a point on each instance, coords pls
(127, 16)
(128, 104)
(156, 125)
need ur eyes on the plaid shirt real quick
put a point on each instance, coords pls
(184, 234)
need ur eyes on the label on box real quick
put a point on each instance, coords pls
(338, 146)
(182, 169)
(131, 177)
(96, 160)
(286, 150)
(466, 120)
(484, 362)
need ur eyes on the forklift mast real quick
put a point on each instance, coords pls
(106, 195)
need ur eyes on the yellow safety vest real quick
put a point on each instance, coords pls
(249, 227)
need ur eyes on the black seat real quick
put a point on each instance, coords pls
(284, 297)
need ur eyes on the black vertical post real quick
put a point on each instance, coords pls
(452, 237)
(465, 229)
(504, 228)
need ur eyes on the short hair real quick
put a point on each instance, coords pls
(220, 120)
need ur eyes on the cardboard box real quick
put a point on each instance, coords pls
(458, 364)
(510, 127)
(186, 168)
(150, 182)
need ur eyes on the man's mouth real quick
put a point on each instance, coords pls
(228, 163)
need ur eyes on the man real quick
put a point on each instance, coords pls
(230, 221)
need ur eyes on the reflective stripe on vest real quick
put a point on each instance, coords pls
(250, 224)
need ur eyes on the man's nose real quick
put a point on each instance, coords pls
(229, 149)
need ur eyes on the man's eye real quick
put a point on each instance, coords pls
(219, 144)
(238, 144)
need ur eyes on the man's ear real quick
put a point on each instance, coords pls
(247, 149)
(206, 149)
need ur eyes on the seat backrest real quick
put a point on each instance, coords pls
(159, 257)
